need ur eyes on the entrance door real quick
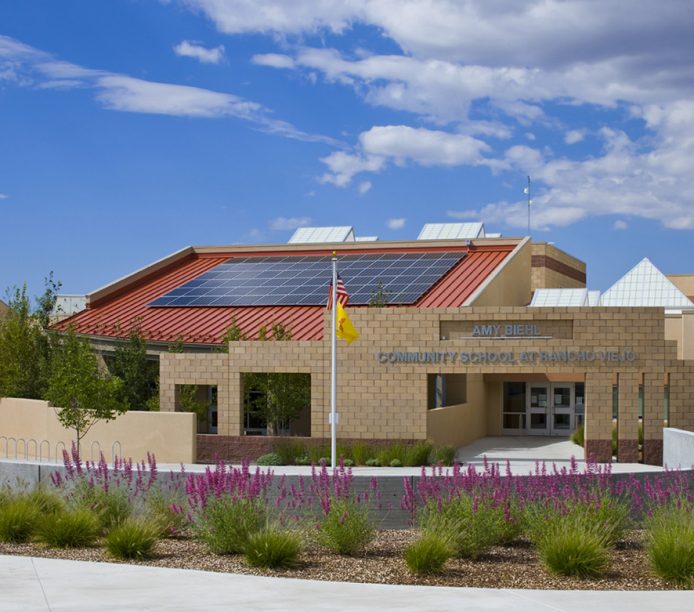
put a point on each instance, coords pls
(538, 409)
(562, 401)
(550, 409)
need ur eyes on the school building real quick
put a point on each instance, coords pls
(463, 334)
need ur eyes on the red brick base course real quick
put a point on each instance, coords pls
(628, 451)
(653, 452)
(598, 450)
(234, 449)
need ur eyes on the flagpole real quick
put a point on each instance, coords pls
(333, 370)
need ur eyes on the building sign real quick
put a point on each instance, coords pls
(507, 330)
(557, 329)
(505, 357)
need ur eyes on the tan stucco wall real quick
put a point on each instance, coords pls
(684, 282)
(544, 277)
(463, 423)
(31, 428)
(680, 328)
(510, 285)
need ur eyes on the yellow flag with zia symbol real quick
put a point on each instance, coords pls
(343, 326)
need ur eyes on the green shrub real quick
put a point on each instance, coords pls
(165, 510)
(132, 539)
(373, 462)
(348, 463)
(303, 460)
(614, 441)
(609, 518)
(269, 459)
(396, 463)
(226, 523)
(471, 528)
(573, 550)
(393, 451)
(46, 502)
(288, 451)
(579, 435)
(69, 529)
(445, 455)
(18, 520)
(670, 544)
(418, 454)
(428, 554)
(111, 507)
(316, 453)
(346, 529)
(273, 549)
(362, 453)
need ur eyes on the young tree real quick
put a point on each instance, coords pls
(139, 374)
(233, 334)
(278, 396)
(81, 393)
(27, 342)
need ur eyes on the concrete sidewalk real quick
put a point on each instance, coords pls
(28, 584)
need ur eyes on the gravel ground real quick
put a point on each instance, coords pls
(515, 566)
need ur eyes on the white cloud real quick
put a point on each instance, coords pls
(26, 66)
(289, 223)
(574, 136)
(553, 53)
(620, 225)
(3, 196)
(401, 144)
(124, 93)
(273, 60)
(205, 55)
(364, 187)
(396, 223)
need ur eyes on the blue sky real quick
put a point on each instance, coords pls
(132, 128)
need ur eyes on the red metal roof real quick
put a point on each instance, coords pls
(116, 315)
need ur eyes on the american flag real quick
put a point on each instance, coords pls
(342, 295)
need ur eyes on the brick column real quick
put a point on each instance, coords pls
(628, 417)
(681, 396)
(653, 418)
(598, 417)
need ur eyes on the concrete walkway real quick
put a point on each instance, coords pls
(524, 451)
(31, 584)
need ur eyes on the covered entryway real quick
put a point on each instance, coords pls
(542, 406)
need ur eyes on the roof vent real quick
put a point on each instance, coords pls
(452, 231)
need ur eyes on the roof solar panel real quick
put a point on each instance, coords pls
(399, 278)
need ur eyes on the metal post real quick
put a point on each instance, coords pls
(333, 370)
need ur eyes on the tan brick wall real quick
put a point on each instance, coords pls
(389, 401)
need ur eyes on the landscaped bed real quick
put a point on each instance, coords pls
(514, 566)
(558, 529)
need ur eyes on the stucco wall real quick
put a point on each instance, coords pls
(510, 285)
(553, 268)
(30, 428)
(460, 424)
(678, 448)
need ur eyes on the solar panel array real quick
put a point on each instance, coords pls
(398, 278)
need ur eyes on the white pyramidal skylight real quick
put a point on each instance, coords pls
(451, 231)
(645, 285)
(305, 235)
(547, 298)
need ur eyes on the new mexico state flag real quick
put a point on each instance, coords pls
(343, 326)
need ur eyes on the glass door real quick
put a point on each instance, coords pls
(562, 414)
(538, 409)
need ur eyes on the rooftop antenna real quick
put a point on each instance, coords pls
(526, 191)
